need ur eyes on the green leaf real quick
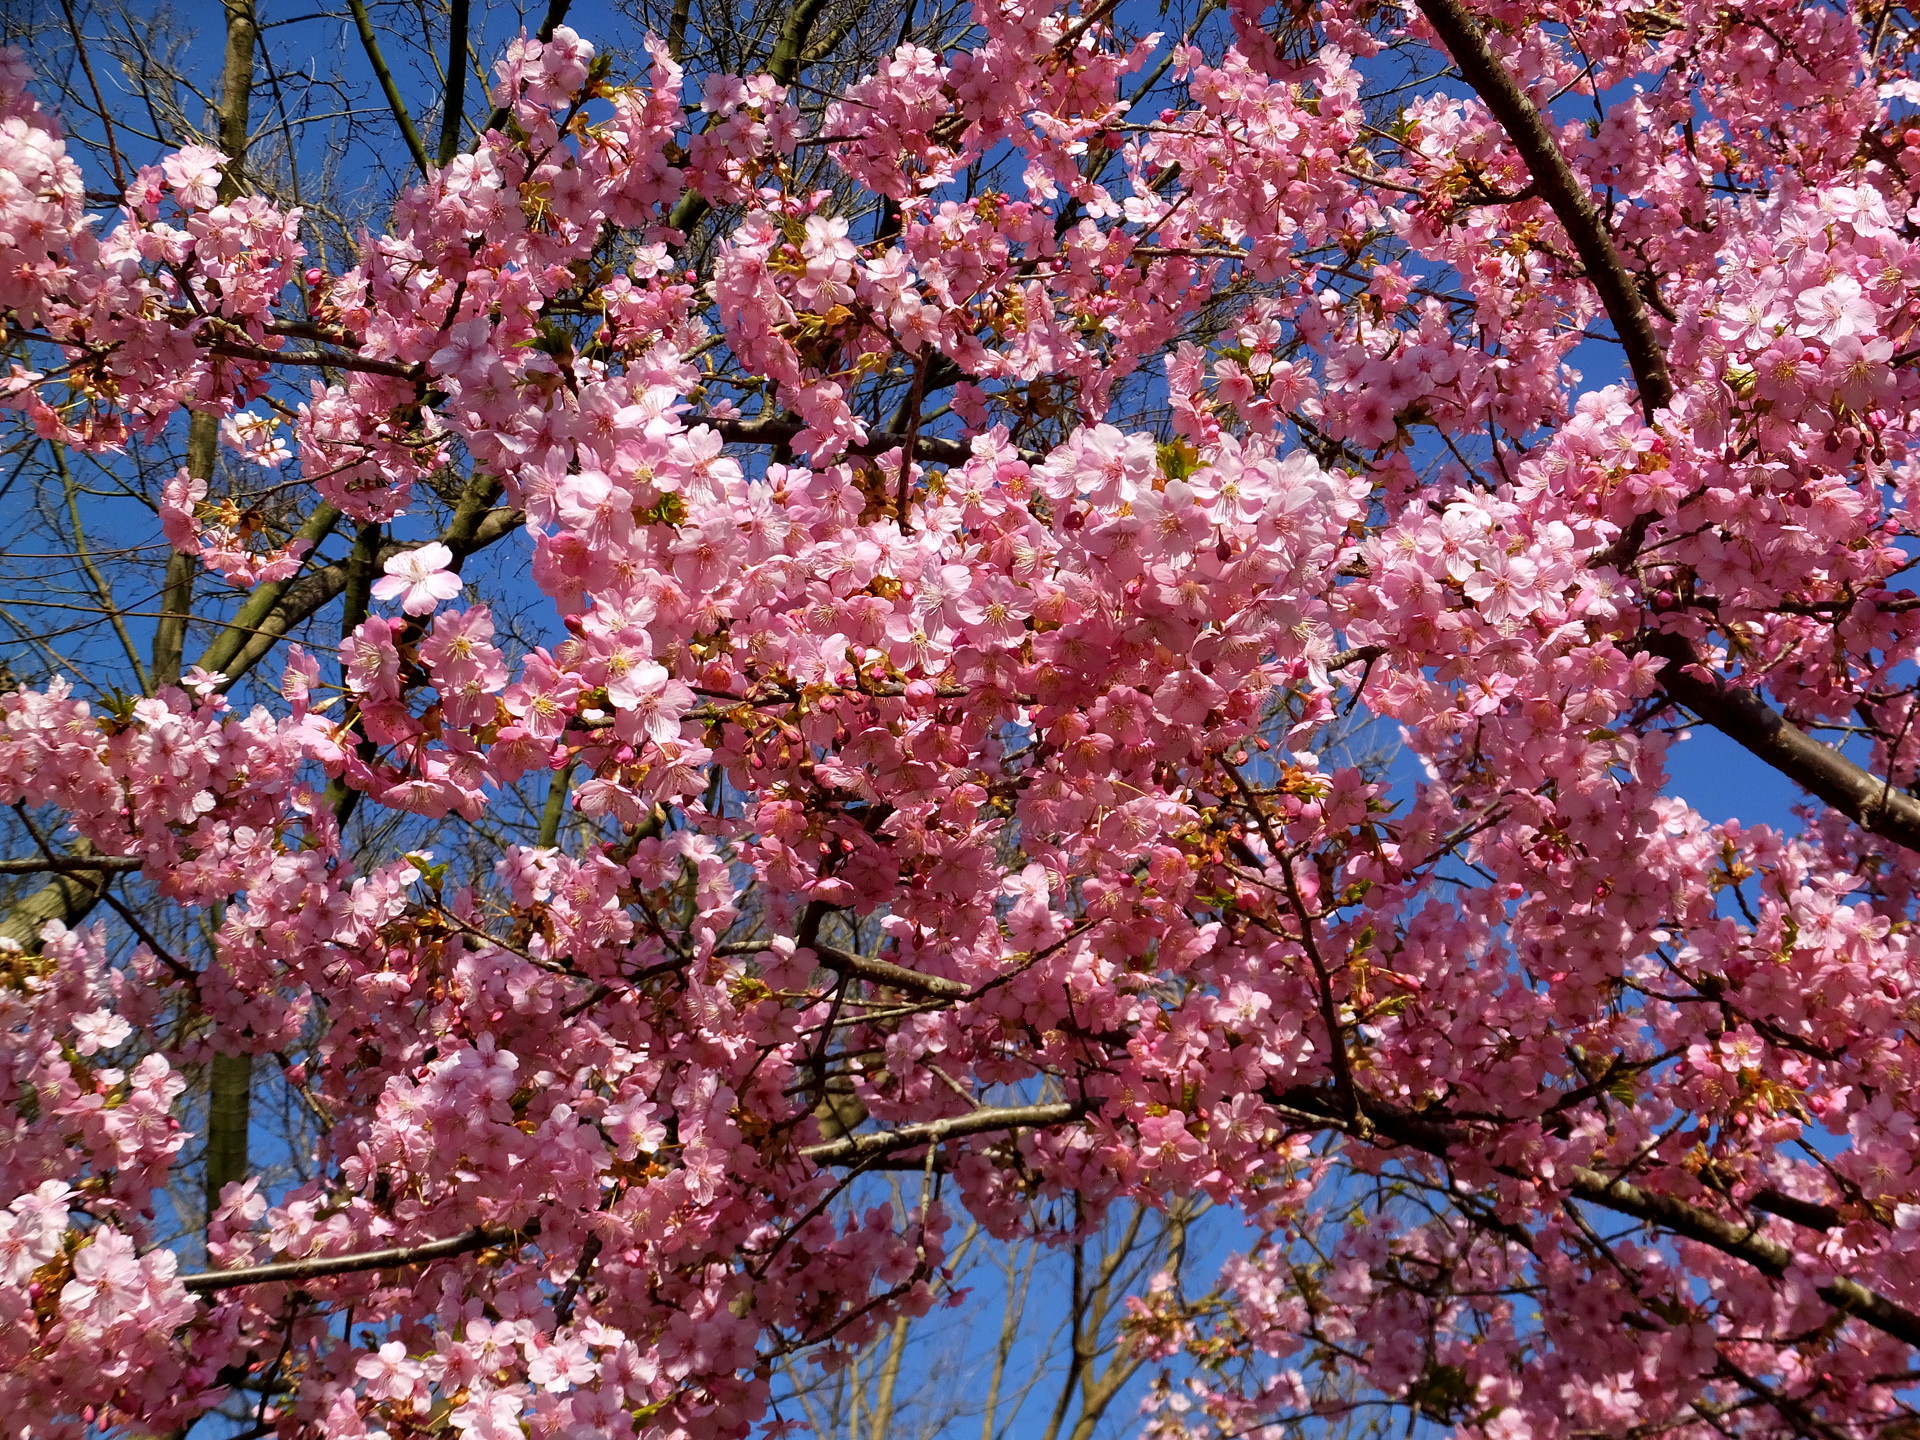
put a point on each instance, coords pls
(431, 875)
(1178, 459)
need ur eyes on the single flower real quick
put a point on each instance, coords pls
(419, 578)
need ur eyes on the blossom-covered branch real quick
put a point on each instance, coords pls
(991, 629)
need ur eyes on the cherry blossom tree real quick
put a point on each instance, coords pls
(767, 641)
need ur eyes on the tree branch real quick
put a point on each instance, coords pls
(71, 864)
(317, 588)
(885, 972)
(371, 44)
(1740, 1240)
(1564, 191)
(853, 1147)
(1769, 1257)
(260, 606)
(556, 12)
(356, 599)
(236, 95)
(1740, 714)
(176, 608)
(478, 1238)
(780, 430)
(325, 359)
(230, 1075)
(933, 1132)
(453, 103)
(1677, 1217)
(1871, 802)
(64, 898)
(101, 589)
(229, 1122)
(784, 66)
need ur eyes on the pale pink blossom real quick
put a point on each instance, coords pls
(419, 579)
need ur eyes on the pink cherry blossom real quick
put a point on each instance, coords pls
(1075, 644)
(419, 579)
(193, 174)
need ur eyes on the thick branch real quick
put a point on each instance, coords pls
(64, 898)
(788, 53)
(325, 359)
(70, 864)
(1809, 1213)
(170, 631)
(466, 534)
(203, 430)
(885, 972)
(1768, 1256)
(236, 94)
(555, 810)
(341, 798)
(784, 65)
(176, 598)
(454, 103)
(1564, 191)
(1871, 802)
(479, 1238)
(262, 624)
(263, 602)
(1741, 1241)
(230, 1075)
(229, 1123)
(556, 12)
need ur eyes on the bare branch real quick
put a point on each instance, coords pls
(453, 102)
(71, 864)
(371, 44)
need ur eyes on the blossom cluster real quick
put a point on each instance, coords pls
(968, 770)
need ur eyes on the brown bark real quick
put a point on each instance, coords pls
(1564, 191)
(1739, 713)
(230, 1081)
